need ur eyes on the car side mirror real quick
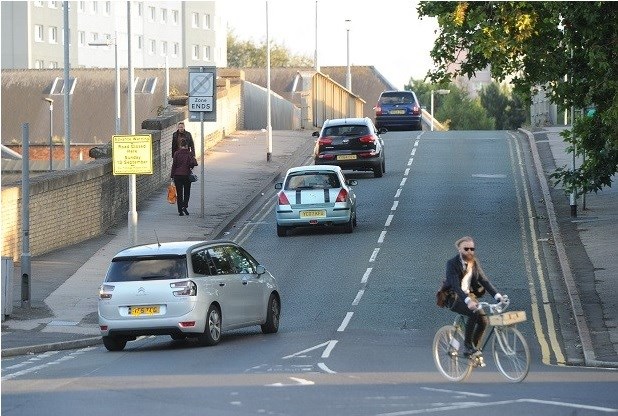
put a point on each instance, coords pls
(260, 270)
(351, 182)
(382, 130)
(279, 185)
(316, 134)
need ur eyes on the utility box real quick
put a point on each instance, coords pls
(7, 287)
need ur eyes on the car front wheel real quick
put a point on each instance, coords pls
(272, 315)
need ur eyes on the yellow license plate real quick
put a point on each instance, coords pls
(143, 310)
(346, 157)
(313, 214)
(397, 112)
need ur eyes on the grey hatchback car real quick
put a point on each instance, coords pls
(185, 289)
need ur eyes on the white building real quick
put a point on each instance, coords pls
(185, 33)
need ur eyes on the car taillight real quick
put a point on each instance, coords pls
(105, 291)
(327, 156)
(325, 141)
(282, 199)
(416, 109)
(367, 154)
(186, 288)
(366, 139)
(378, 110)
(342, 196)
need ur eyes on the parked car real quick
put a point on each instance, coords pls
(352, 144)
(185, 289)
(398, 110)
(315, 195)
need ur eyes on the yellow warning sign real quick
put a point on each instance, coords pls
(132, 155)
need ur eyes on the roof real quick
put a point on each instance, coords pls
(171, 248)
(314, 168)
(352, 120)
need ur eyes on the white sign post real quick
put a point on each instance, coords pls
(202, 105)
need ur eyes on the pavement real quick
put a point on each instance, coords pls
(62, 312)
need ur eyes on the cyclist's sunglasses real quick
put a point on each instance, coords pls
(468, 248)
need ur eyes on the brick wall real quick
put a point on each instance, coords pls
(70, 206)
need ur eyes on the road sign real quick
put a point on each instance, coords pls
(202, 101)
(132, 154)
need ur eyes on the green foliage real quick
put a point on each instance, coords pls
(505, 108)
(538, 43)
(245, 54)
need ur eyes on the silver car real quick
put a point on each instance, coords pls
(315, 195)
(185, 289)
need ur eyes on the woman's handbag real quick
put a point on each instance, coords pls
(171, 193)
(193, 177)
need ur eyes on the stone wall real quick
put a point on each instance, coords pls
(70, 206)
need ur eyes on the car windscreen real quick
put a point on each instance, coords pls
(346, 130)
(396, 98)
(136, 269)
(313, 180)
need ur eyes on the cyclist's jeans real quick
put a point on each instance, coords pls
(476, 323)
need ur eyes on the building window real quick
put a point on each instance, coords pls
(164, 48)
(38, 4)
(108, 38)
(53, 34)
(51, 4)
(176, 49)
(163, 15)
(175, 17)
(207, 53)
(196, 52)
(152, 14)
(195, 20)
(81, 6)
(108, 8)
(206, 21)
(81, 38)
(38, 64)
(53, 65)
(94, 37)
(140, 42)
(95, 7)
(140, 9)
(38, 33)
(153, 47)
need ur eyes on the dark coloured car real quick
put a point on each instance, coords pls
(398, 110)
(351, 144)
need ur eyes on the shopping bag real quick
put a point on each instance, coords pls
(171, 193)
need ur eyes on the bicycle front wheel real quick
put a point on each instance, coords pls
(511, 353)
(448, 355)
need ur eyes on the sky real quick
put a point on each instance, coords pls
(384, 33)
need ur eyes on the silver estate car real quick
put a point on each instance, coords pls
(315, 195)
(185, 289)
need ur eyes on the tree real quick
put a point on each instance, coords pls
(495, 103)
(245, 54)
(538, 43)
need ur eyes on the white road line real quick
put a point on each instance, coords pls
(366, 275)
(358, 297)
(406, 172)
(410, 161)
(403, 182)
(413, 151)
(465, 393)
(329, 348)
(374, 255)
(381, 238)
(416, 142)
(395, 205)
(326, 369)
(388, 220)
(398, 193)
(345, 322)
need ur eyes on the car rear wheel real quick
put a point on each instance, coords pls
(377, 171)
(282, 231)
(349, 226)
(212, 331)
(272, 315)
(114, 343)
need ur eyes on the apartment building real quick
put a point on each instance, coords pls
(176, 34)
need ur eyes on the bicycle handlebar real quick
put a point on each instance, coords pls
(495, 307)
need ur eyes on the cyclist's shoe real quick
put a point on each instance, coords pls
(469, 351)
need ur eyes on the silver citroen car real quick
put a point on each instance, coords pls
(185, 289)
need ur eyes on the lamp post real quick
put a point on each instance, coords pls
(51, 129)
(441, 92)
(348, 77)
(114, 42)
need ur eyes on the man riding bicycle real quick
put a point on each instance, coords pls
(467, 282)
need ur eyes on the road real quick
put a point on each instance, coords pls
(358, 314)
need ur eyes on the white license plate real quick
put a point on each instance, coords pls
(313, 214)
(346, 157)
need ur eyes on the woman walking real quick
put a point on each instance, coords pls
(182, 164)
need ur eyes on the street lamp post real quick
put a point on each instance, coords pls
(51, 130)
(441, 92)
(348, 77)
(114, 42)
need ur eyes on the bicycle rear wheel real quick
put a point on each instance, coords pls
(448, 353)
(511, 353)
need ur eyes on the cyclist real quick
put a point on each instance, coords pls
(467, 282)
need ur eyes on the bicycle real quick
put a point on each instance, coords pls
(510, 350)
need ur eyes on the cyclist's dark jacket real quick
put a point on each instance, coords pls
(478, 283)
